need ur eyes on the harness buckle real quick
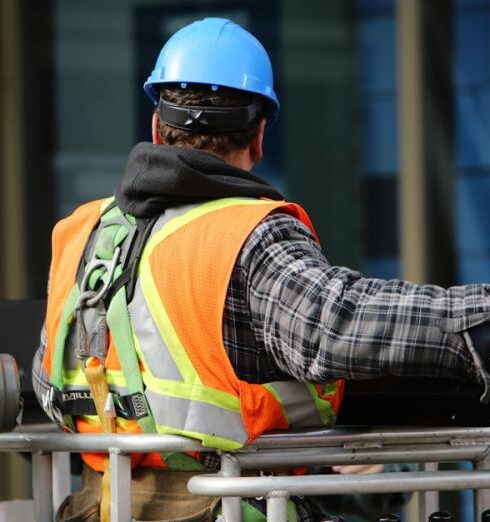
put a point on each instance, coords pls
(90, 310)
(91, 328)
(49, 407)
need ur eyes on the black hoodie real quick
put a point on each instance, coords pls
(158, 177)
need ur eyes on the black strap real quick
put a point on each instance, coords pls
(80, 402)
(88, 250)
(130, 265)
(130, 270)
(480, 335)
(209, 120)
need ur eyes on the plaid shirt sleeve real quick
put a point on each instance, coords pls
(319, 322)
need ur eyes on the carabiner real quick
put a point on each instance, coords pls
(109, 266)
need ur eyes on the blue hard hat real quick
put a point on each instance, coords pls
(217, 52)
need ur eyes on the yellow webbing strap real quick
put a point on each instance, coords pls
(96, 379)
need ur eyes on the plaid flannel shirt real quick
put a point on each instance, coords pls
(289, 314)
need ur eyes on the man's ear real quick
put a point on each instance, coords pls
(155, 135)
(256, 143)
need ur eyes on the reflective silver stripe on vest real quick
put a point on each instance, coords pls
(298, 404)
(196, 416)
(155, 351)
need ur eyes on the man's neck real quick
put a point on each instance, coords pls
(238, 158)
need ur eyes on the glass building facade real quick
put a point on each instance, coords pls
(82, 108)
(471, 77)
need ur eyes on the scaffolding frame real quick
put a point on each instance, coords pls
(51, 465)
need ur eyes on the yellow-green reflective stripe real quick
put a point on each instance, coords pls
(77, 377)
(105, 203)
(267, 386)
(323, 406)
(179, 221)
(165, 328)
(183, 390)
(139, 352)
(210, 441)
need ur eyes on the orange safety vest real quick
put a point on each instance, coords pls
(176, 318)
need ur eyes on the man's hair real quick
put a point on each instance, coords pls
(203, 95)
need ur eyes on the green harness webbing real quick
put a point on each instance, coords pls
(119, 323)
(252, 514)
(114, 229)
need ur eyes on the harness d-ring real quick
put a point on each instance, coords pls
(110, 268)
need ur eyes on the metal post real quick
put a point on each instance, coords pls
(120, 466)
(277, 506)
(429, 500)
(481, 496)
(12, 278)
(232, 509)
(61, 477)
(42, 486)
(412, 185)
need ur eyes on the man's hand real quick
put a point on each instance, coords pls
(358, 468)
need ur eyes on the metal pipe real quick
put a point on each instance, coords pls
(42, 486)
(287, 459)
(209, 485)
(232, 508)
(76, 443)
(482, 497)
(348, 438)
(277, 506)
(61, 477)
(120, 486)
(429, 500)
(464, 449)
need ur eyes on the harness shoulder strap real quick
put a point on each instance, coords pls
(108, 269)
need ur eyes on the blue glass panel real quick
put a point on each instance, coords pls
(471, 49)
(383, 268)
(473, 129)
(474, 269)
(377, 47)
(463, 3)
(466, 497)
(366, 7)
(380, 137)
(473, 214)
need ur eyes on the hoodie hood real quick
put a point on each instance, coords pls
(158, 177)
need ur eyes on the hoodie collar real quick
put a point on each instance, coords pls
(158, 177)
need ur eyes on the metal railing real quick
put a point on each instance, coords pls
(50, 472)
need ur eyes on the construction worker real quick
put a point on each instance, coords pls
(198, 302)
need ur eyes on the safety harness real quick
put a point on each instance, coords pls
(123, 340)
(98, 304)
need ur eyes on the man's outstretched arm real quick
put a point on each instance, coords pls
(320, 321)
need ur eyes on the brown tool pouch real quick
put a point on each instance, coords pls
(156, 495)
